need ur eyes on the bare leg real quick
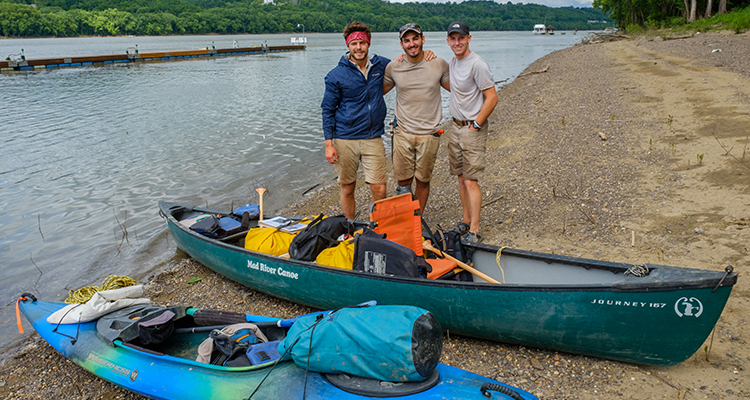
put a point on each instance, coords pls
(347, 199)
(474, 194)
(378, 192)
(463, 193)
(423, 193)
(405, 182)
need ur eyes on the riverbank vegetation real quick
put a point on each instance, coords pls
(700, 15)
(25, 18)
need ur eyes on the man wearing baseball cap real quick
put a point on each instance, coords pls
(354, 117)
(418, 112)
(473, 98)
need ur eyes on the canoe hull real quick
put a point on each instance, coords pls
(656, 323)
(167, 377)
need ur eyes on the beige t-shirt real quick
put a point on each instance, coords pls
(418, 103)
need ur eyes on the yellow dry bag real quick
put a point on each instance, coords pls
(341, 256)
(268, 240)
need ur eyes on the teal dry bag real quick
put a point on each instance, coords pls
(387, 343)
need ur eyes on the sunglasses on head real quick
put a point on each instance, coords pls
(409, 26)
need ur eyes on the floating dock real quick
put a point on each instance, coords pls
(133, 55)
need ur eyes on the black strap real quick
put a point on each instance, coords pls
(431, 236)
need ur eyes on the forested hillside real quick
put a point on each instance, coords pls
(165, 17)
(669, 13)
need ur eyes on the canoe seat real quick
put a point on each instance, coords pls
(440, 267)
(399, 218)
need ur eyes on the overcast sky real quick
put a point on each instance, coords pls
(550, 3)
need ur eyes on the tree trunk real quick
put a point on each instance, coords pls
(693, 8)
(632, 13)
(687, 9)
(722, 6)
(709, 5)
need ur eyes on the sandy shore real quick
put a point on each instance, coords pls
(644, 139)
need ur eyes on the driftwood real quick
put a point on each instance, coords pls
(534, 72)
(677, 37)
(596, 37)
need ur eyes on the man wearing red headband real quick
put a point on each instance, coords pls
(353, 117)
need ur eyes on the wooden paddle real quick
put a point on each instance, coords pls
(260, 201)
(427, 246)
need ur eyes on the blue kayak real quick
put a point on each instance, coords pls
(169, 370)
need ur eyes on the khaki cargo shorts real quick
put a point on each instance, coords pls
(466, 150)
(413, 155)
(371, 152)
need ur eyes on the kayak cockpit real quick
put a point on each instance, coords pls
(179, 332)
(182, 342)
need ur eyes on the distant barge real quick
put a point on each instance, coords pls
(133, 55)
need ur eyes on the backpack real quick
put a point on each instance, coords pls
(450, 243)
(229, 345)
(228, 348)
(319, 235)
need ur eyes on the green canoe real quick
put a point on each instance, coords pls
(548, 301)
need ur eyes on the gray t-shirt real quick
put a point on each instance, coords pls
(418, 103)
(469, 76)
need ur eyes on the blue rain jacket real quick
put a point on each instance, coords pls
(353, 107)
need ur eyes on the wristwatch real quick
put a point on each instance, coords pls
(476, 125)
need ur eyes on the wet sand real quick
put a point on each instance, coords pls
(642, 138)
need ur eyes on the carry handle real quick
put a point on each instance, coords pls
(487, 386)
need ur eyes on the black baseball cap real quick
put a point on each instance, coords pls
(409, 27)
(458, 26)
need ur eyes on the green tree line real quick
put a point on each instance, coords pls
(21, 18)
(666, 13)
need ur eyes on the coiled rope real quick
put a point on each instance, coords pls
(84, 294)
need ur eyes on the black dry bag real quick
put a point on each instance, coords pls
(319, 235)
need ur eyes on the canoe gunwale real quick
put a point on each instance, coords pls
(708, 279)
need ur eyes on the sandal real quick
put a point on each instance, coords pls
(462, 228)
(473, 237)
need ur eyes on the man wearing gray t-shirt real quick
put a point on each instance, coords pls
(419, 112)
(473, 98)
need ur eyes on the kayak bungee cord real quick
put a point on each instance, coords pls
(271, 370)
(29, 296)
(73, 340)
(309, 349)
(309, 353)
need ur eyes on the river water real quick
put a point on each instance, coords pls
(87, 152)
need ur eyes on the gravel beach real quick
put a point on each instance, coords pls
(631, 150)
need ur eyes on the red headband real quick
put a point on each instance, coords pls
(358, 35)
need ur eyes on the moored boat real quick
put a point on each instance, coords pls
(648, 314)
(168, 370)
(540, 29)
